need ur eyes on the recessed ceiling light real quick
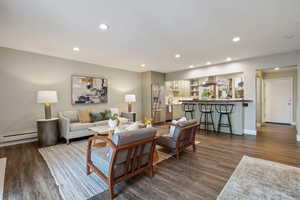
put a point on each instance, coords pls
(177, 55)
(228, 59)
(103, 27)
(191, 66)
(143, 65)
(208, 63)
(236, 39)
(276, 68)
(76, 49)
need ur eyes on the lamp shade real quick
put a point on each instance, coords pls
(129, 98)
(47, 96)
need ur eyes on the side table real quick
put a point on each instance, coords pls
(47, 131)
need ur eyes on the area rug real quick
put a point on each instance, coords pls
(2, 175)
(67, 164)
(257, 179)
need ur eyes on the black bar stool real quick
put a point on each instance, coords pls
(189, 108)
(224, 110)
(206, 110)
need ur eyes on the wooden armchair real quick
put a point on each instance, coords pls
(183, 137)
(127, 154)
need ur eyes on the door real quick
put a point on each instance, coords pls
(278, 100)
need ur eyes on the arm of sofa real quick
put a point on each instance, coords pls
(64, 126)
(130, 116)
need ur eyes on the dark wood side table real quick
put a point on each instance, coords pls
(47, 131)
(129, 115)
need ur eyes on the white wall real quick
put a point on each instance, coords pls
(22, 74)
(248, 67)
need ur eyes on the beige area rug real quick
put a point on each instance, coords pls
(257, 179)
(2, 175)
(67, 164)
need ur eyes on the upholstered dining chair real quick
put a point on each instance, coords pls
(183, 137)
(127, 154)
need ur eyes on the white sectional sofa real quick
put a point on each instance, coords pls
(70, 126)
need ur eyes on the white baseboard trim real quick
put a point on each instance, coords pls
(249, 132)
(298, 138)
(18, 142)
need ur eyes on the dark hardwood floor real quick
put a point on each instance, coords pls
(199, 175)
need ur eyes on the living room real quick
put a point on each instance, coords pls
(129, 80)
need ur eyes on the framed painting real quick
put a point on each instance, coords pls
(89, 90)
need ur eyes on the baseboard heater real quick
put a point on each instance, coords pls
(19, 137)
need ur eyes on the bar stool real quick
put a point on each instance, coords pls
(189, 108)
(206, 110)
(224, 110)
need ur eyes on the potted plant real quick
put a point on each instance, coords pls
(113, 121)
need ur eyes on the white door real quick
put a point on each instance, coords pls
(278, 100)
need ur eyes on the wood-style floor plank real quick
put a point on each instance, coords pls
(199, 175)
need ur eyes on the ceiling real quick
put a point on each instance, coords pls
(151, 32)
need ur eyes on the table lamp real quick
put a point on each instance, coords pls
(47, 97)
(130, 98)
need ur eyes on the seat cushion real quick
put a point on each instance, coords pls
(166, 141)
(123, 120)
(101, 123)
(80, 126)
(71, 115)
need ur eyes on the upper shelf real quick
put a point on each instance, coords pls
(216, 100)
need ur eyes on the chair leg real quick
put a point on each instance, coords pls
(194, 147)
(177, 154)
(88, 170)
(229, 123)
(111, 191)
(68, 142)
(151, 172)
(212, 121)
(219, 124)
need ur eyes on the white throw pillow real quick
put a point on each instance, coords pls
(172, 128)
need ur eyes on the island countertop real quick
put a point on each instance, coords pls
(217, 100)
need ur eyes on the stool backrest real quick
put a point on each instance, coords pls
(188, 107)
(224, 108)
(205, 107)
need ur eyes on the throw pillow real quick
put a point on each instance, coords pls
(106, 115)
(84, 116)
(96, 117)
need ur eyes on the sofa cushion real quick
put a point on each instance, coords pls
(123, 120)
(84, 116)
(71, 115)
(80, 126)
(101, 123)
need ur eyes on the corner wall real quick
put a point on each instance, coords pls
(248, 67)
(22, 74)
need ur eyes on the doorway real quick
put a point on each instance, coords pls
(276, 95)
(278, 99)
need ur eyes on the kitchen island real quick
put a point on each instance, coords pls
(236, 117)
